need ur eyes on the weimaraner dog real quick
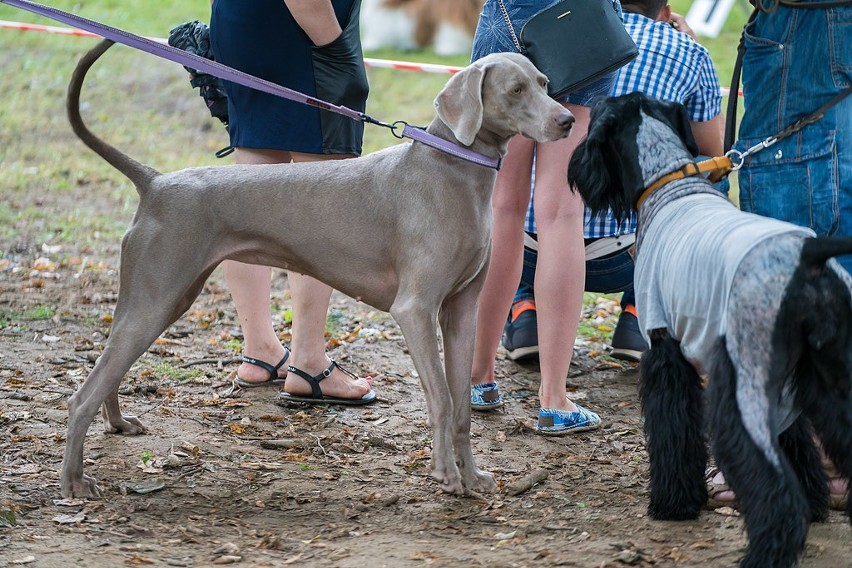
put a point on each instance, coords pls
(406, 230)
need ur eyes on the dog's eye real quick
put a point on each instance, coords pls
(517, 90)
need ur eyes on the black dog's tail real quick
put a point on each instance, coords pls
(138, 173)
(817, 251)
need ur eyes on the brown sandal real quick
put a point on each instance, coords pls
(719, 493)
(838, 487)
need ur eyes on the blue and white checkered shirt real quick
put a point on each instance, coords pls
(671, 66)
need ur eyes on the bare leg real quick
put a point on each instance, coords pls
(310, 307)
(509, 205)
(250, 288)
(560, 272)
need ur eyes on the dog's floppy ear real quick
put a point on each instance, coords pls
(675, 115)
(596, 169)
(459, 104)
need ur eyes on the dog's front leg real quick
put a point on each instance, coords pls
(417, 318)
(672, 406)
(458, 323)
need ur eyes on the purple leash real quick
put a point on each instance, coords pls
(236, 76)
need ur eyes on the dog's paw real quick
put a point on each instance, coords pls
(128, 425)
(449, 478)
(480, 481)
(86, 487)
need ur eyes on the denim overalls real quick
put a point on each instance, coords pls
(796, 60)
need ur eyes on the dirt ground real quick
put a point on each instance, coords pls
(228, 476)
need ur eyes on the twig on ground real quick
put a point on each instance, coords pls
(527, 482)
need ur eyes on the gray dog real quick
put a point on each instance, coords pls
(756, 303)
(427, 263)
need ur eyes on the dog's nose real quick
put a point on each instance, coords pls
(565, 121)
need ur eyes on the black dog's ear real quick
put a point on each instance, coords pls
(675, 115)
(597, 169)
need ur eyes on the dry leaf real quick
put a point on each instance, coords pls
(261, 465)
(64, 519)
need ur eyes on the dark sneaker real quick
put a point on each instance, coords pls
(628, 343)
(520, 336)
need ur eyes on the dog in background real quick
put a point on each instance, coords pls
(757, 304)
(446, 25)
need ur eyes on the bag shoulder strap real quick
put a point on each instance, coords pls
(509, 25)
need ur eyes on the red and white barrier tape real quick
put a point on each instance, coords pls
(369, 62)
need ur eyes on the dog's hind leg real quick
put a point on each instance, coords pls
(418, 321)
(771, 501)
(797, 443)
(458, 324)
(824, 375)
(830, 411)
(672, 406)
(148, 302)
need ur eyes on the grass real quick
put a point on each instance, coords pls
(36, 313)
(176, 374)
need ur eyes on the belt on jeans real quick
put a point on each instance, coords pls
(596, 249)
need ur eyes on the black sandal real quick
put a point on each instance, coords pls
(316, 396)
(273, 379)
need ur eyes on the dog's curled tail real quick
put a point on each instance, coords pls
(138, 173)
(816, 251)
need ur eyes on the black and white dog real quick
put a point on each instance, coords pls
(756, 304)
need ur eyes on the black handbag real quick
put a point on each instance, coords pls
(574, 42)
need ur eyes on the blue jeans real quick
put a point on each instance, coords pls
(795, 60)
(603, 275)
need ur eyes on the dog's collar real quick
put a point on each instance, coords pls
(421, 135)
(718, 167)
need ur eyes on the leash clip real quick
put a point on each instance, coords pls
(738, 158)
(396, 128)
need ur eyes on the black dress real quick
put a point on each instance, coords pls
(261, 38)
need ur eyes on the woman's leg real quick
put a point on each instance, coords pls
(509, 206)
(250, 287)
(310, 310)
(560, 272)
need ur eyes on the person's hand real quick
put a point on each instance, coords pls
(678, 22)
(316, 18)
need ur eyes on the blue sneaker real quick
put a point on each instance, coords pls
(552, 422)
(485, 397)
